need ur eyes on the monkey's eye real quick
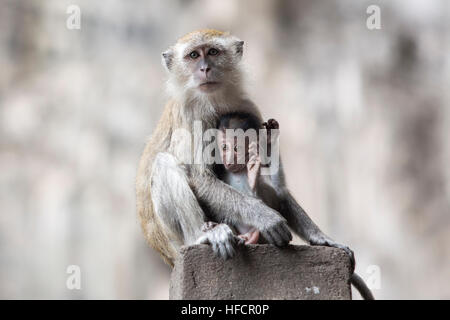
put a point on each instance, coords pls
(213, 52)
(194, 55)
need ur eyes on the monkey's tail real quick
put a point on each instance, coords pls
(361, 286)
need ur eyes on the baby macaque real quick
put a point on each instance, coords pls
(243, 167)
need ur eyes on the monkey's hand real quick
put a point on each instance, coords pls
(274, 229)
(221, 238)
(323, 240)
(253, 166)
(271, 124)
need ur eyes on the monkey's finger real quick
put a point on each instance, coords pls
(286, 232)
(239, 241)
(223, 251)
(202, 240)
(351, 255)
(346, 249)
(230, 250)
(253, 165)
(257, 165)
(279, 241)
(266, 235)
(215, 249)
(282, 239)
(253, 158)
(352, 261)
(273, 124)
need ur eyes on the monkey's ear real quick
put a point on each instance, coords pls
(239, 47)
(167, 58)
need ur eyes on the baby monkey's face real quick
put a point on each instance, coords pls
(233, 151)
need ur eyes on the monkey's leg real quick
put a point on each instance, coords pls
(302, 224)
(178, 210)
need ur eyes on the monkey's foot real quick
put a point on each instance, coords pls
(325, 241)
(251, 237)
(221, 238)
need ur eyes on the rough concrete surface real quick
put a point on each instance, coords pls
(262, 272)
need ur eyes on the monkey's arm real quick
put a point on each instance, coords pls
(303, 226)
(229, 206)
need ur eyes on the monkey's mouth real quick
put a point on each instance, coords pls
(209, 84)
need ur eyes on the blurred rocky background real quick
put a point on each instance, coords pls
(364, 115)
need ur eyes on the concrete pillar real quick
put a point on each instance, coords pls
(262, 272)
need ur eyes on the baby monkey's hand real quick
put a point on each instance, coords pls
(271, 124)
(253, 165)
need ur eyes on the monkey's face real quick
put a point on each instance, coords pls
(205, 64)
(234, 157)
(207, 67)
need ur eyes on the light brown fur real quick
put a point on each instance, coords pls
(154, 233)
(204, 33)
(180, 112)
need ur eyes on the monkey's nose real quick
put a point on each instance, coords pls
(205, 69)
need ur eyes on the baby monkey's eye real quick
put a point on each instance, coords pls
(194, 55)
(213, 52)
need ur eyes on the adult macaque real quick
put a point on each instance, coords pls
(175, 197)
